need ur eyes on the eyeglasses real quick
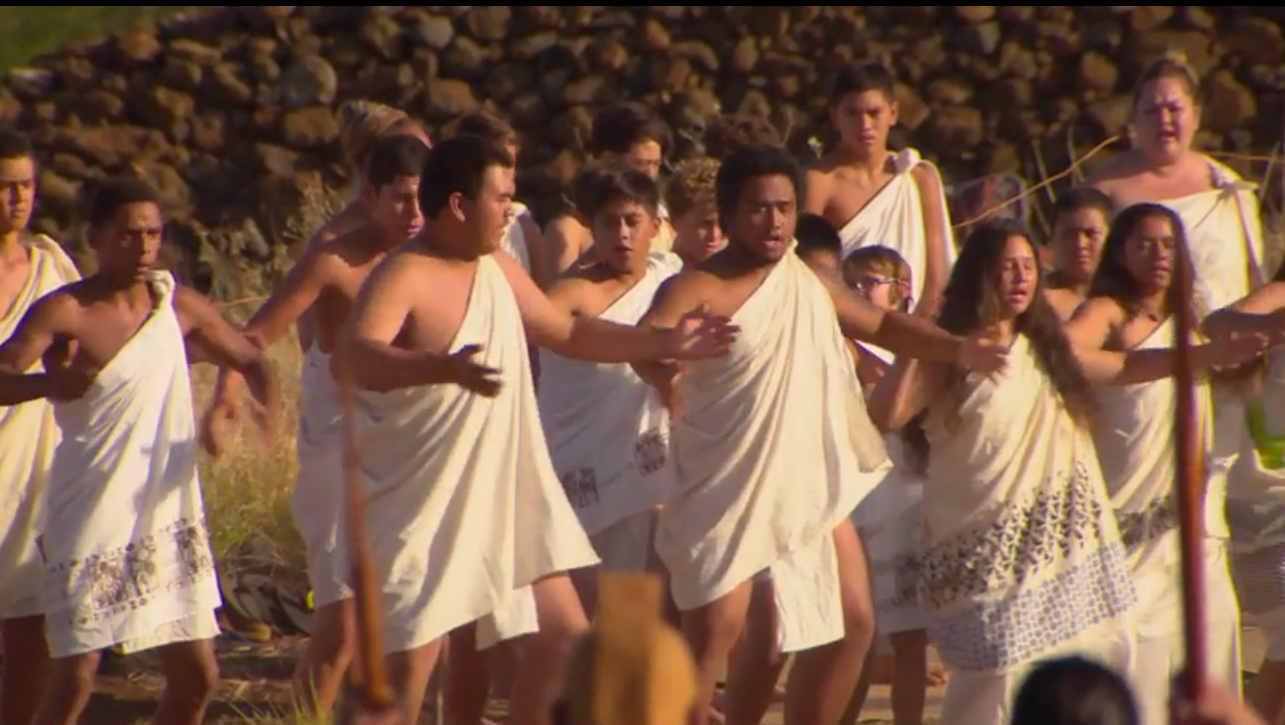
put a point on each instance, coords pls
(871, 283)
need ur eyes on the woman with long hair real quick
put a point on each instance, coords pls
(1141, 281)
(1022, 557)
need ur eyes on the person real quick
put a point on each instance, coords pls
(888, 519)
(1074, 691)
(523, 239)
(874, 196)
(818, 245)
(1019, 562)
(325, 281)
(1081, 218)
(1132, 303)
(607, 430)
(689, 195)
(126, 551)
(725, 134)
(468, 520)
(361, 125)
(629, 134)
(787, 385)
(31, 266)
(1220, 214)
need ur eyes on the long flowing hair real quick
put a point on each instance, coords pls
(1114, 280)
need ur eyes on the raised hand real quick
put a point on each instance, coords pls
(983, 355)
(471, 375)
(700, 334)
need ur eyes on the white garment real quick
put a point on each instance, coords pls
(317, 503)
(608, 431)
(514, 240)
(127, 553)
(464, 509)
(774, 450)
(894, 217)
(1022, 559)
(1134, 435)
(28, 437)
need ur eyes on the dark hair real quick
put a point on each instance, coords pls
(15, 145)
(726, 134)
(1074, 691)
(613, 185)
(815, 235)
(1175, 66)
(1083, 197)
(749, 163)
(970, 303)
(1112, 279)
(393, 157)
(620, 128)
(488, 125)
(111, 195)
(456, 166)
(861, 78)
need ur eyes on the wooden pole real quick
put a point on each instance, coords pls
(1190, 486)
(369, 672)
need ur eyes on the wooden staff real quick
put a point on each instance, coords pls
(368, 675)
(1190, 486)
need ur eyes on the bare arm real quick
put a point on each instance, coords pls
(1261, 311)
(566, 239)
(936, 255)
(203, 322)
(578, 336)
(904, 392)
(1091, 325)
(818, 185)
(38, 331)
(675, 297)
(900, 333)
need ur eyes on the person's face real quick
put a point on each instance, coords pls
(697, 235)
(1165, 119)
(765, 217)
(644, 156)
(1018, 277)
(622, 234)
(17, 193)
(1077, 242)
(486, 218)
(395, 207)
(1149, 253)
(878, 289)
(864, 119)
(128, 244)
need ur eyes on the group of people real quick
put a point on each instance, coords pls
(833, 431)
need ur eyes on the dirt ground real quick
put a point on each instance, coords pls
(256, 684)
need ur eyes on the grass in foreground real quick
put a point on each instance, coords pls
(29, 31)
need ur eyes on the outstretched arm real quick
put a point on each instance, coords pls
(204, 324)
(1262, 311)
(936, 254)
(579, 336)
(37, 333)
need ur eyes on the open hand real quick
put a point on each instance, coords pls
(700, 334)
(471, 375)
(983, 355)
(69, 382)
(668, 384)
(1234, 349)
(214, 424)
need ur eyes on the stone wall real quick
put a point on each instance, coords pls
(230, 112)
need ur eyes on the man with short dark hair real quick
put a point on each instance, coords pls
(468, 521)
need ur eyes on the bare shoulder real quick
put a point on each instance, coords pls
(1100, 310)
(927, 177)
(1108, 175)
(59, 310)
(691, 285)
(566, 225)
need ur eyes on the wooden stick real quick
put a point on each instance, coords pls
(369, 673)
(1190, 486)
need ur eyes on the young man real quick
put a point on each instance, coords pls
(468, 520)
(689, 194)
(874, 196)
(772, 450)
(125, 548)
(1081, 218)
(31, 266)
(629, 135)
(607, 430)
(325, 281)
